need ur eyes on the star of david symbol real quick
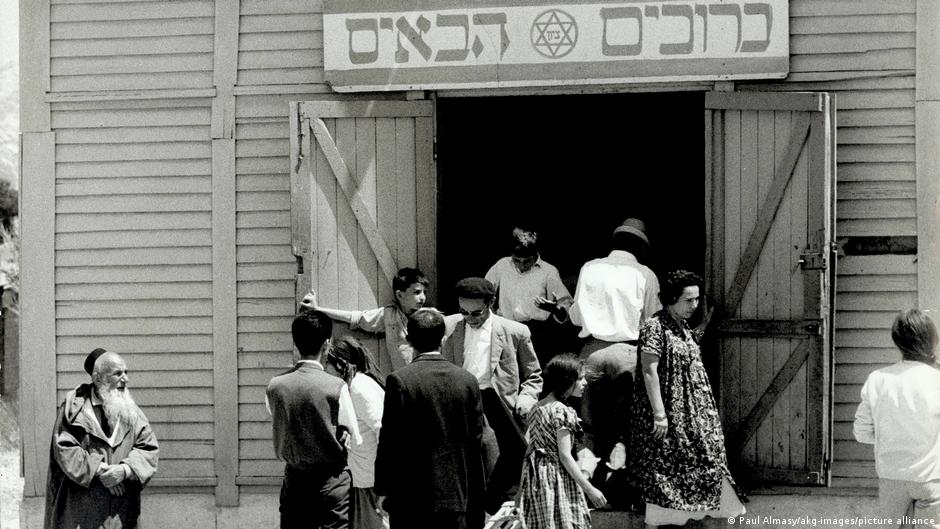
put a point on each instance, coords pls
(554, 33)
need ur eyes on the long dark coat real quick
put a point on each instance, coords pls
(74, 496)
(429, 458)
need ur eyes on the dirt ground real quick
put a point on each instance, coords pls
(11, 484)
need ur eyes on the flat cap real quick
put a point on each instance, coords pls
(475, 287)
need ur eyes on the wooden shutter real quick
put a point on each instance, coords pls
(363, 200)
(771, 188)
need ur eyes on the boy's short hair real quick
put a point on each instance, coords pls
(915, 334)
(426, 330)
(525, 242)
(407, 277)
(310, 329)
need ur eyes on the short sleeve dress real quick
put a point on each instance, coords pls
(685, 475)
(551, 499)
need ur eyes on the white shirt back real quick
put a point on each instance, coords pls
(614, 295)
(900, 414)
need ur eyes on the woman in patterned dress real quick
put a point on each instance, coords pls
(679, 456)
(553, 488)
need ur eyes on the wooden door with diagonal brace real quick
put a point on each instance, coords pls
(363, 200)
(770, 267)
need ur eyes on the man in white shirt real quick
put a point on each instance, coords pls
(499, 353)
(900, 414)
(529, 290)
(614, 295)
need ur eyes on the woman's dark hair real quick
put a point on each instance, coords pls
(915, 335)
(675, 284)
(348, 351)
(560, 374)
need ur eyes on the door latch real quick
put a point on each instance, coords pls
(812, 261)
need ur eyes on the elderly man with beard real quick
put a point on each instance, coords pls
(103, 452)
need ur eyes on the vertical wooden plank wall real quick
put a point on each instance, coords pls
(864, 52)
(426, 198)
(37, 306)
(224, 320)
(927, 115)
(37, 259)
(736, 409)
(797, 195)
(756, 143)
(224, 294)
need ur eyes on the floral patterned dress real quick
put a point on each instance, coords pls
(685, 470)
(551, 499)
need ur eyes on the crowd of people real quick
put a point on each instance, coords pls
(493, 404)
(486, 407)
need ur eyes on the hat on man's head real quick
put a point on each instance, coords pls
(92, 358)
(634, 227)
(474, 288)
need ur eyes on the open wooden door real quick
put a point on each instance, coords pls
(770, 267)
(363, 200)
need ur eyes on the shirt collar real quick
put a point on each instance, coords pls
(623, 255)
(314, 363)
(487, 325)
(538, 263)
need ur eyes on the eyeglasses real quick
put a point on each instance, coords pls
(474, 314)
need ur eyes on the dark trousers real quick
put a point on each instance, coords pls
(605, 406)
(314, 500)
(435, 520)
(504, 474)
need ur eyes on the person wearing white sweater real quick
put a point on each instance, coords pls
(900, 414)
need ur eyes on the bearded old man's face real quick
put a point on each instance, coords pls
(111, 382)
(113, 376)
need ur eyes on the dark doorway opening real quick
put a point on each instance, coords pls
(573, 167)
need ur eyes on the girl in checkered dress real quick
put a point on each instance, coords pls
(553, 491)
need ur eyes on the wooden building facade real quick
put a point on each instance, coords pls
(186, 172)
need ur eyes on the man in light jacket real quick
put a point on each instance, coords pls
(103, 452)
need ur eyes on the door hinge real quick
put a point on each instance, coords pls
(434, 150)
